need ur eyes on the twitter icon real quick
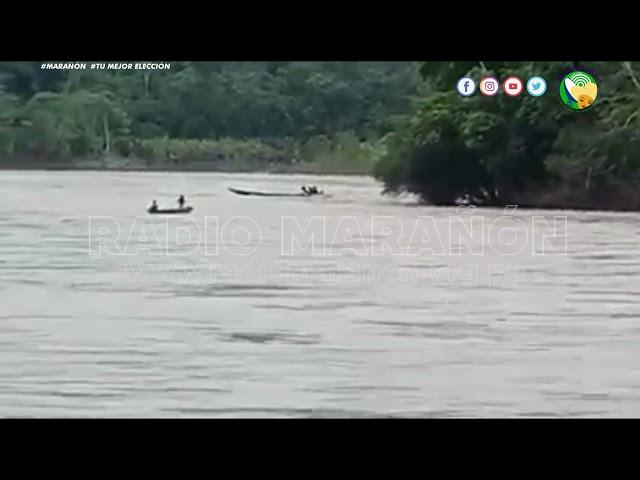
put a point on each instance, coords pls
(536, 86)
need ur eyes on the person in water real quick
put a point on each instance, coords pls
(154, 206)
(181, 201)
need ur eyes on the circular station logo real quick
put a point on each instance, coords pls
(578, 90)
(512, 86)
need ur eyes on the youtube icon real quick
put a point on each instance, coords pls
(512, 86)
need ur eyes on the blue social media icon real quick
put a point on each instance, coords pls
(536, 86)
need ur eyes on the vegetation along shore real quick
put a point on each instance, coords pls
(399, 121)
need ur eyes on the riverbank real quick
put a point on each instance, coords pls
(620, 198)
(613, 198)
(340, 155)
(226, 166)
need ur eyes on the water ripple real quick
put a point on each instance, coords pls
(306, 336)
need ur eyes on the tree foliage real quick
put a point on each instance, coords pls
(495, 148)
(90, 112)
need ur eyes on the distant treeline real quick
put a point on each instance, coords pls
(524, 150)
(405, 118)
(282, 110)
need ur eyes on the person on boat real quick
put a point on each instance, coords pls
(181, 201)
(306, 190)
(154, 206)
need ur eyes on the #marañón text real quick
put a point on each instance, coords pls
(107, 66)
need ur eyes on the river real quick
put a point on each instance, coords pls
(239, 309)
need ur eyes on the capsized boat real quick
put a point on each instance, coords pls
(239, 191)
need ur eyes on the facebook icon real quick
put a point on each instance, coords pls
(466, 87)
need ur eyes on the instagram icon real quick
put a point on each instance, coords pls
(489, 86)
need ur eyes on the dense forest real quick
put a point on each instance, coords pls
(331, 112)
(401, 121)
(524, 150)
